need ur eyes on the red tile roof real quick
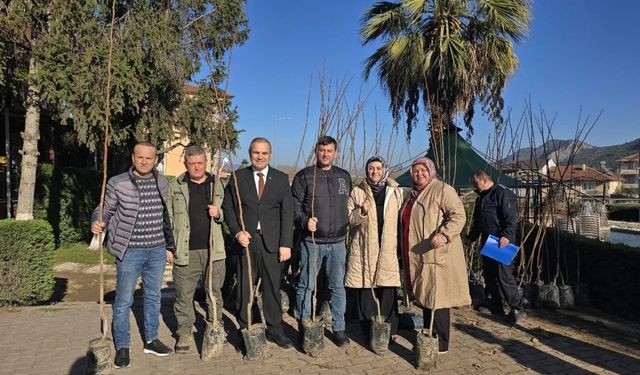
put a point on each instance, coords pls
(580, 173)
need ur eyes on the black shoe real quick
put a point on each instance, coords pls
(281, 340)
(156, 347)
(122, 358)
(340, 338)
(517, 315)
(300, 333)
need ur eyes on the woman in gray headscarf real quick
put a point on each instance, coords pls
(372, 261)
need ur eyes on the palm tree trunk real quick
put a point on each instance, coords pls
(29, 150)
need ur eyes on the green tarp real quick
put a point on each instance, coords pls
(461, 161)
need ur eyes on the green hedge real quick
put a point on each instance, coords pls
(623, 212)
(26, 262)
(66, 197)
(612, 271)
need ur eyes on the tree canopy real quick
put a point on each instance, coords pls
(158, 47)
(444, 55)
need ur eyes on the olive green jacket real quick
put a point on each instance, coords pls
(178, 205)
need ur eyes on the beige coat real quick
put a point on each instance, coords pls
(361, 271)
(438, 276)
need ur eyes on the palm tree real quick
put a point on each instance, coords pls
(446, 55)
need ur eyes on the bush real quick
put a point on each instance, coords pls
(623, 212)
(66, 197)
(26, 262)
(612, 271)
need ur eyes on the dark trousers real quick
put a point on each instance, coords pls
(264, 266)
(441, 326)
(367, 309)
(500, 284)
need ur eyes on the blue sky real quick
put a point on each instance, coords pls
(578, 53)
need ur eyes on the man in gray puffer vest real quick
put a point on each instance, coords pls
(139, 236)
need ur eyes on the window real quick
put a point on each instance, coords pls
(588, 186)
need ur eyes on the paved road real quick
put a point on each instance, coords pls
(53, 340)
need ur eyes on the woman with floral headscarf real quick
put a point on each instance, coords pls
(372, 260)
(434, 268)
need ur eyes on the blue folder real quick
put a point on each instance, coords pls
(492, 250)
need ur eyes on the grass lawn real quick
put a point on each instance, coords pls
(78, 253)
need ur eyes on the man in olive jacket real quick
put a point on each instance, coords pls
(191, 209)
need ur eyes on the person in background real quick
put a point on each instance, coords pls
(495, 213)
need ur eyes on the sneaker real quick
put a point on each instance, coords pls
(156, 347)
(517, 315)
(122, 358)
(340, 338)
(183, 345)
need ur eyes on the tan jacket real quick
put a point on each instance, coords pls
(364, 252)
(438, 276)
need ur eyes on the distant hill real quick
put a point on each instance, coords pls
(560, 151)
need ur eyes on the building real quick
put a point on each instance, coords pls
(172, 163)
(629, 170)
(584, 180)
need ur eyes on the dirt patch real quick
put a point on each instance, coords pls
(82, 287)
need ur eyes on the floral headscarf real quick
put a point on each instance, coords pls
(433, 174)
(377, 186)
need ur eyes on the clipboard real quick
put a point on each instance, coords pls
(492, 250)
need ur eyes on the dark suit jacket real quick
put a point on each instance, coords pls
(274, 210)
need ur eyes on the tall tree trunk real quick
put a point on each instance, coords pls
(7, 148)
(29, 150)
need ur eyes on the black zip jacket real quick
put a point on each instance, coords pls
(332, 191)
(495, 213)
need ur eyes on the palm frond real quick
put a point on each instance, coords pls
(510, 17)
(381, 20)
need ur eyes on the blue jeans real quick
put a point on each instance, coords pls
(148, 263)
(334, 255)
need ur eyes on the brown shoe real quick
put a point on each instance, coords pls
(183, 346)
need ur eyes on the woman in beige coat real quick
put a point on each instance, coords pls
(372, 260)
(433, 261)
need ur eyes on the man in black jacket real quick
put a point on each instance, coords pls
(267, 213)
(320, 197)
(496, 213)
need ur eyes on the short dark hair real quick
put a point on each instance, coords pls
(325, 140)
(145, 143)
(259, 139)
(193, 150)
(482, 175)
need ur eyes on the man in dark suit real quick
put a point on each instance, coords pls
(267, 212)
